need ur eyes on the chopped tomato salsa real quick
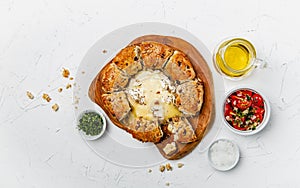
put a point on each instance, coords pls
(244, 109)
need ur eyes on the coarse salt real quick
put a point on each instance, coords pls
(223, 154)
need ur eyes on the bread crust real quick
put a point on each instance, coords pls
(117, 104)
(189, 98)
(143, 129)
(155, 55)
(128, 60)
(179, 67)
(182, 130)
(112, 79)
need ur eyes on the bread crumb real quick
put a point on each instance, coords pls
(169, 167)
(68, 86)
(104, 51)
(60, 89)
(168, 184)
(162, 168)
(180, 165)
(82, 72)
(29, 95)
(150, 170)
(71, 78)
(55, 107)
(65, 73)
(76, 100)
(46, 97)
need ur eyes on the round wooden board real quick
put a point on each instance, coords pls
(200, 123)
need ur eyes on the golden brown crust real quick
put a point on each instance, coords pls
(155, 55)
(179, 67)
(113, 79)
(117, 104)
(128, 60)
(189, 97)
(182, 130)
(142, 129)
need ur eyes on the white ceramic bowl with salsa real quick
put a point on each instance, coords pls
(245, 111)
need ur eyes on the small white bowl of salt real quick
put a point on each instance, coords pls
(223, 154)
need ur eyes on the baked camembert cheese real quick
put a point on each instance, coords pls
(152, 96)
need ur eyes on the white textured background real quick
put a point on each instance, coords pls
(40, 148)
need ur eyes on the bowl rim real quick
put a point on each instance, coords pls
(237, 156)
(82, 133)
(267, 113)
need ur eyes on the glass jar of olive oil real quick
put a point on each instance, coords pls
(235, 58)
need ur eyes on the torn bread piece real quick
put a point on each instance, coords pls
(117, 104)
(143, 129)
(155, 55)
(189, 97)
(179, 67)
(170, 148)
(128, 60)
(113, 79)
(182, 130)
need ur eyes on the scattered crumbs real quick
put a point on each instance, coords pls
(46, 97)
(162, 168)
(60, 89)
(76, 100)
(150, 170)
(68, 86)
(180, 165)
(168, 184)
(76, 107)
(168, 167)
(104, 51)
(82, 72)
(71, 78)
(65, 73)
(55, 107)
(29, 95)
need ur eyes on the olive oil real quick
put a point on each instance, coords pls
(235, 58)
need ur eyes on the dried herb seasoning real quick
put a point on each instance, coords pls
(91, 123)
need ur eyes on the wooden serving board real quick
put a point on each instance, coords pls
(200, 123)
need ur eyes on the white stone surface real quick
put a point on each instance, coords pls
(41, 148)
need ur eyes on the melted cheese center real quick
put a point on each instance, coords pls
(151, 95)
